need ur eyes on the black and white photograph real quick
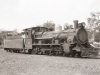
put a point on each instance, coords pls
(49, 37)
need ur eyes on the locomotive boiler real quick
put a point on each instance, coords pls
(70, 42)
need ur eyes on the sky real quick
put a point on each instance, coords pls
(21, 14)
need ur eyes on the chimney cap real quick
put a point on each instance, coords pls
(75, 21)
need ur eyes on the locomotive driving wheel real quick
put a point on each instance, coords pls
(50, 53)
(63, 54)
(29, 51)
(32, 51)
(79, 54)
(73, 53)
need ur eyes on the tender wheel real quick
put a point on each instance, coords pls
(18, 51)
(29, 51)
(11, 51)
(8, 50)
(64, 54)
(33, 51)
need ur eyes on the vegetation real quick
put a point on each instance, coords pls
(50, 25)
(94, 26)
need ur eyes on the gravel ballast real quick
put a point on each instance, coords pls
(25, 64)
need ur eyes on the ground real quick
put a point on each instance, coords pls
(25, 64)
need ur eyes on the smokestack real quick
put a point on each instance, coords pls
(75, 24)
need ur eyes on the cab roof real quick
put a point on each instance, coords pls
(33, 28)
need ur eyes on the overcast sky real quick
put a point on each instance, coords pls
(20, 14)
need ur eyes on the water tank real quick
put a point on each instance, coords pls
(58, 28)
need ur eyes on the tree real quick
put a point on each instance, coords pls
(66, 26)
(94, 24)
(94, 20)
(15, 32)
(50, 25)
(2, 36)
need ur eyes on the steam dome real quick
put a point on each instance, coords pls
(58, 28)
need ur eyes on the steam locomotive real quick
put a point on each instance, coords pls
(40, 40)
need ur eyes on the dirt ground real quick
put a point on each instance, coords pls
(25, 64)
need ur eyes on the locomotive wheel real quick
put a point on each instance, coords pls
(39, 52)
(73, 53)
(47, 52)
(50, 52)
(15, 51)
(79, 54)
(64, 54)
(42, 52)
(32, 51)
(29, 51)
(7, 50)
(11, 51)
(68, 55)
(18, 51)
(57, 53)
